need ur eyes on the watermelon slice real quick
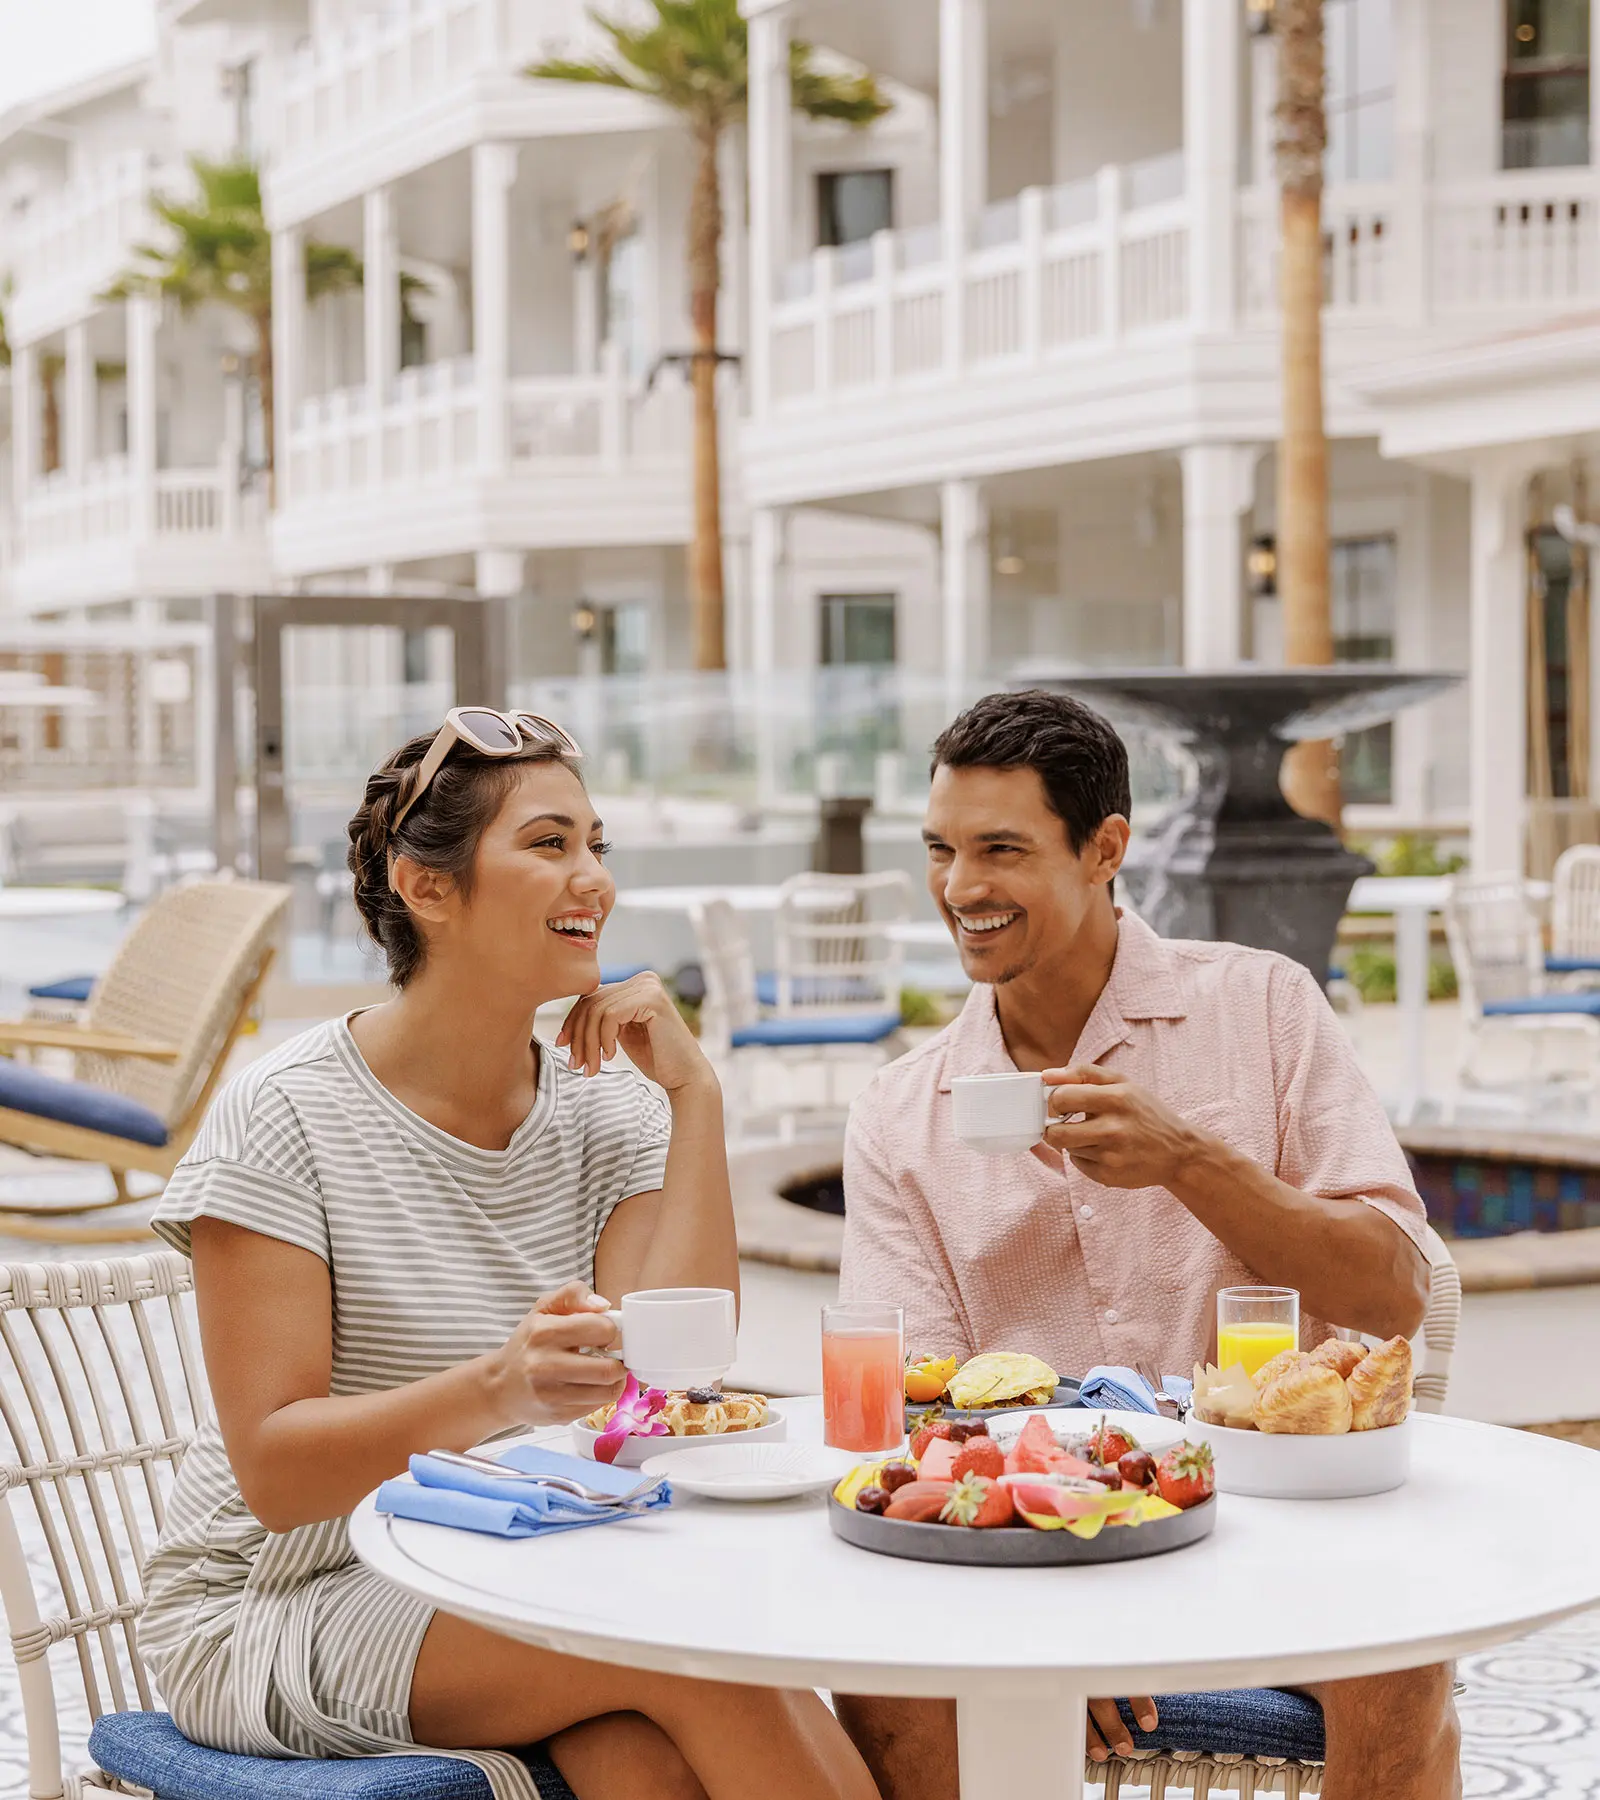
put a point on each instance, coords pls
(1031, 1453)
(939, 1460)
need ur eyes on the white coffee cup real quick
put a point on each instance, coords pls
(1000, 1115)
(677, 1337)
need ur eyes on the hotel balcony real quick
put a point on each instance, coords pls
(1075, 324)
(445, 468)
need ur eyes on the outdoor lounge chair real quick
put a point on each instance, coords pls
(101, 1390)
(150, 1049)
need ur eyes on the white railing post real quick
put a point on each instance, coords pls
(822, 264)
(883, 271)
(143, 312)
(613, 407)
(1030, 222)
(1109, 209)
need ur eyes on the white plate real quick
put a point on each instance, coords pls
(635, 1450)
(730, 1471)
(1149, 1430)
(1275, 1465)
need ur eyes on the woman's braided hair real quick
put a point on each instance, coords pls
(442, 831)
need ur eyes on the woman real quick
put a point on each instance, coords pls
(396, 1221)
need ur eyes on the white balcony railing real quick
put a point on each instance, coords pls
(404, 57)
(1092, 260)
(63, 513)
(429, 430)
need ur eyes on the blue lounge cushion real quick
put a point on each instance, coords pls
(29, 1090)
(150, 1751)
(1542, 1005)
(797, 1031)
(1572, 965)
(814, 987)
(76, 988)
(1236, 1722)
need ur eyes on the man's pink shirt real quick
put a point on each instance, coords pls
(1023, 1252)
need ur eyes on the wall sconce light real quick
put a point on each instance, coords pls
(583, 621)
(1260, 17)
(1261, 565)
(1008, 559)
(578, 240)
(231, 365)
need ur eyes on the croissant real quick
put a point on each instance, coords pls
(1380, 1387)
(1275, 1366)
(1310, 1401)
(1337, 1353)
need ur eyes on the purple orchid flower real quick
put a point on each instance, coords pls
(638, 1414)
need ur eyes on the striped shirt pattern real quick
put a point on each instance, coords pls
(282, 1643)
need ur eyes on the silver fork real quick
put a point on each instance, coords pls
(486, 1465)
(1165, 1404)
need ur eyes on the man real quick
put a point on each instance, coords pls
(1210, 1127)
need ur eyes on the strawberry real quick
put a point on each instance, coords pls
(1185, 1476)
(979, 1503)
(1110, 1443)
(980, 1456)
(935, 1428)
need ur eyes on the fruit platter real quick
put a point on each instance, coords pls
(983, 1387)
(1091, 1493)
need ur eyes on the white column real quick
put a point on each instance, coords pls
(24, 422)
(288, 345)
(494, 168)
(1218, 489)
(380, 306)
(143, 314)
(769, 573)
(78, 382)
(771, 156)
(963, 151)
(1263, 110)
(1211, 46)
(964, 571)
(1497, 752)
(1413, 156)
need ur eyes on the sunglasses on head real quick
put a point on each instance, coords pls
(490, 733)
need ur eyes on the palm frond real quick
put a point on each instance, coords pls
(557, 68)
(852, 99)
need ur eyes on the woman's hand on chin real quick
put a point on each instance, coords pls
(541, 1374)
(641, 1018)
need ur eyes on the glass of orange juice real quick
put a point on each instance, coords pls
(1254, 1324)
(863, 1398)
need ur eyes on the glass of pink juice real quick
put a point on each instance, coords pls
(863, 1380)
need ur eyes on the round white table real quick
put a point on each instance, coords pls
(56, 903)
(1492, 1537)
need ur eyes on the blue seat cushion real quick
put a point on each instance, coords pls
(148, 1749)
(1236, 1722)
(1539, 1005)
(797, 1031)
(833, 988)
(76, 988)
(1569, 965)
(29, 1090)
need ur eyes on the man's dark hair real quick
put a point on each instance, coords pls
(1079, 758)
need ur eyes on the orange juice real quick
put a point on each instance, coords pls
(863, 1402)
(1253, 1342)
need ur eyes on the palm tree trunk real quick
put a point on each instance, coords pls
(50, 368)
(264, 389)
(705, 275)
(1311, 771)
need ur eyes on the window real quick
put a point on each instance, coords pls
(1554, 595)
(857, 629)
(1545, 104)
(852, 204)
(624, 634)
(241, 80)
(1360, 89)
(1362, 577)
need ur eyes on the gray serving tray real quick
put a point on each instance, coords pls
(1066, 1394)
(1020, 1546)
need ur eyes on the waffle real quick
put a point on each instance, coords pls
(701, 1412)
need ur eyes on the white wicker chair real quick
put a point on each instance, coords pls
(98, 1477)
(1191, 1772)
(1575, 914)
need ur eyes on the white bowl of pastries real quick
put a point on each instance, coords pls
(693, 1417)
(1324, 1424)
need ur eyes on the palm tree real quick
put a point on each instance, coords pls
(218, 251)
(694, 58)
(1311, 771)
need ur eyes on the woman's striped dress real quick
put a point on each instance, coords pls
(282, 1643)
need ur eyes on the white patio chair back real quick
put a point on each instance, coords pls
(1493, 933)
(833, 951)
(101, 1390)
(1575, 902)
(728, 966)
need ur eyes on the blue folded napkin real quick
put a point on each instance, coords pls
(1124, 1390)
(444, 1493)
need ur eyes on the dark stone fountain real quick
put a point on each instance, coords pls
(1233, 861)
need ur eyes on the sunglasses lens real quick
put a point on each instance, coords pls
(545, 731)
(491, 731)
